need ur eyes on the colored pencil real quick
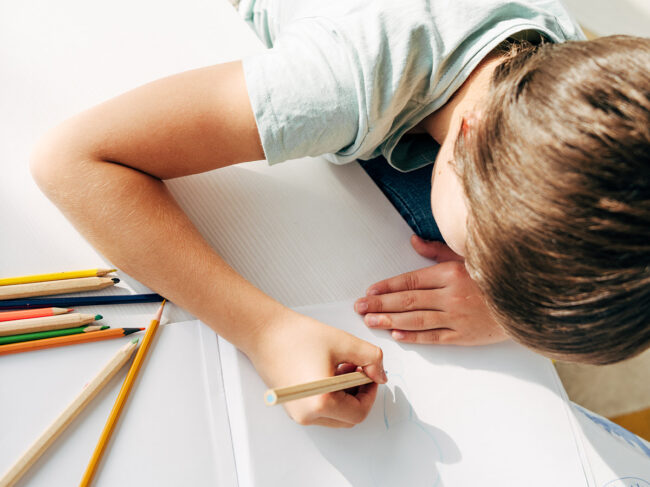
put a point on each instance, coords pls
(46, 323)
(55, 276)
(321, 386)
(94, 336)
(80, 301)
(41, 335)
(50, 434)
(123, 395)
(48, 288)
(23, 314)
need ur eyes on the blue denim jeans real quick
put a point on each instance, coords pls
(410, 194)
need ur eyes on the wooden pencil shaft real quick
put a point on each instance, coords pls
(122, 396)
(58, 322)
(72, 301)
(280, 395)
(55, 276)
(30, 346)
(47, 288)
(23, 314)
(39, 446)
(41, 335)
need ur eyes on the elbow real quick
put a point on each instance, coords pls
(42, 162)
(55, 163)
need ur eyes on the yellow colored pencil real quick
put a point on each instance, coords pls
(47, 288)
(89, 391)
(55, 276)
(280, 395)
(123, 395)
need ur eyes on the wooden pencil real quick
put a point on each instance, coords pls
(72, 301)
(46, 323)
(48, 288)
(41, 335)
(23, 314)
(50, 434)
(280, 395)
(123, 395)
(94, 336)
(55, 276)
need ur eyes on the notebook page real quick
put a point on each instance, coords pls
(173, 430)
(453, 416)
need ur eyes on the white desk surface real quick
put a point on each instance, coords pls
(60, 57)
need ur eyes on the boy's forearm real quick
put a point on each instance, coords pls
(132, 219)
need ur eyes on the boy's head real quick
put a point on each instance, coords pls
(556, 176)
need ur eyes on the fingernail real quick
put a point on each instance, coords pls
(372, 321)
(361, 306)
(372, 292)
(399, 335)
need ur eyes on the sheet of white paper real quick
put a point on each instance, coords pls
(617, 457)
(449, 416)
(173, 430)
(304, 231)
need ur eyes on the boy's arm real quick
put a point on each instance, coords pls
(440, 304)
(104, 169)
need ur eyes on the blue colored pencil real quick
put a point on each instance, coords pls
(79, 301)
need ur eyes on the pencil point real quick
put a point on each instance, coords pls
(160, 311)
(135, 340)
(115, 280)
(98, 317)
(141, 329)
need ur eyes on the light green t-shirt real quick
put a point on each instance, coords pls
(348, 78)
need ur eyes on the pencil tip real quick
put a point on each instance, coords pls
(115, 280)
(141, 329)
(160, 311)
(135, 341)
(98, 317)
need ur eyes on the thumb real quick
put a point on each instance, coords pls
(434, 250)
(365, 355)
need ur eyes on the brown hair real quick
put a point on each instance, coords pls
(557, 180)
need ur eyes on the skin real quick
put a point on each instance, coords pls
(201, 120)
(440, 304)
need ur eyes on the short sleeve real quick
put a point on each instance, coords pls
(303, 93)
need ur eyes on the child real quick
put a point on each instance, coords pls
(551, 145)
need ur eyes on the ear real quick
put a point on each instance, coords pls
(470, 122)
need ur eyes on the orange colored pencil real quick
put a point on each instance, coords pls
(23, 314)
(122, 396)
(93, 336)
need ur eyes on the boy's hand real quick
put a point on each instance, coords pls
(439, 304)
(296, 349)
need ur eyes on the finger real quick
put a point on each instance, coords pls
(399, 302)
(331, 423)
(441, 336)
(437, 251)
(426, 278)
(411, 320)
(362, 354)
(345, 368)
(349, 408)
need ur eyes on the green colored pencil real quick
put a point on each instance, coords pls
(37, 335)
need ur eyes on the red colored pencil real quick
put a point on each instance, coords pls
(22, 314)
